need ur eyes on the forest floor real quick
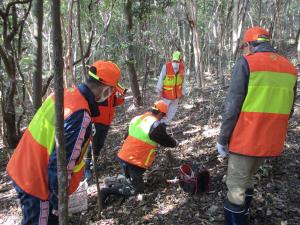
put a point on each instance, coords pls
(196, 126)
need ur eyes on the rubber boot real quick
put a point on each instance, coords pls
(248, 198)
(234, 214)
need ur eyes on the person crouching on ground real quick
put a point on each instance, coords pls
(139, 149)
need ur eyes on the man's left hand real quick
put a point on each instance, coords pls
(222, 150)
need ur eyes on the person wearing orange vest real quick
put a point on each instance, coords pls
(171, 85)
(139, 149)
(33, 165)
(102, 124)
(257, 109)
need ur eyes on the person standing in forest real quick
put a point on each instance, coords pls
(255, 122)
(102, 124)
(171, 85)
(33, 166)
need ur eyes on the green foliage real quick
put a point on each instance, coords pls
(142, 8)
(26, 61)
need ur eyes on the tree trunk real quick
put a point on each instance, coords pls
(235, 21)
(10, 27)
(192, 18)
(274, 23)
(59, 114)
(298, 51)
(242, 12)
(239, 14)
(37, 11)
(130, 54)
(220, 49)
(146, 59)
(7, 100)
(69, 56)
(9, 112)
(80, 39)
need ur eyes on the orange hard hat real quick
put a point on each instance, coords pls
(161, 106)
(107, 73)
(256, 34)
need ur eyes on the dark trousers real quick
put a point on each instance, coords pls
(98, 141)
(34, 210)
(134, 174)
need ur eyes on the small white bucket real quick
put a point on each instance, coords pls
(78, 201)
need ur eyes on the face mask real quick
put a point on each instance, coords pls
(106, 92)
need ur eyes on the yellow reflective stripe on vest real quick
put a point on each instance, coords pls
(79, 166)
(277, 92)
(42, 122)
(168, 88)
(149, 156)
(82, 158)
(139, 128)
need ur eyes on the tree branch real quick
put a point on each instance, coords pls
(15, 3)
(88, 50)
(21, 29)
(16, 25)
(45, 87)
(4, 57)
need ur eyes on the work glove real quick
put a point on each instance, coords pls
(222, 150)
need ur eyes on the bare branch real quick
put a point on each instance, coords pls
(88, 50)
(11, 4)
(4, 57)
(16, 25)
(45, 87)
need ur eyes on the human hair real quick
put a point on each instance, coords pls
(256, 43)
(156, 112)
(92, 83)
(93, 69)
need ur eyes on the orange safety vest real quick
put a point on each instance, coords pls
(28, 166)
(172, 84)
(107, 110)
(138, 149)
(262, 124)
